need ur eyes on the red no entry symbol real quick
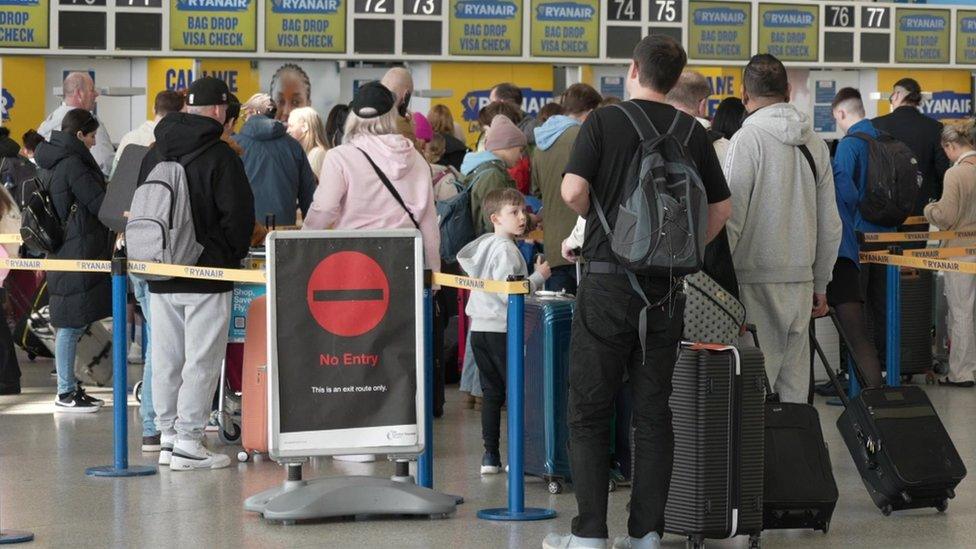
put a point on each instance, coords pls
(348, 294)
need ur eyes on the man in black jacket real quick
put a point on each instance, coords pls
(189, 316)
(922, 134)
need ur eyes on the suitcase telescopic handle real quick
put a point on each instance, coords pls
(826, 363)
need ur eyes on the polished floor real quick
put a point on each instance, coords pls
(43, 489)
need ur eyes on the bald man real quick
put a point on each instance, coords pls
(690, 96)
(78, 91)
(399, 81)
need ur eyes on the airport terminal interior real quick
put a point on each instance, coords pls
(299, 339)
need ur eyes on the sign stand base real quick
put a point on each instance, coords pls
(348, 496)
(9, 537)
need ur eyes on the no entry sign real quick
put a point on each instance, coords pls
(346, 342)
(348, 293)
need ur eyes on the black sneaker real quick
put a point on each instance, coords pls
(71, 402)
(88, 398)
(965, 384)
(491, 463)
(152, 443)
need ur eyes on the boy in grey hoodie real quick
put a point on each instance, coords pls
(495, 256)
(785, 231)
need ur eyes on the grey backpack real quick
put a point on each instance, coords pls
(160, 225)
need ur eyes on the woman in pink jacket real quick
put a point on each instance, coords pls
(351, 193)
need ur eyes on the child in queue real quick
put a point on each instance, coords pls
(495, 256)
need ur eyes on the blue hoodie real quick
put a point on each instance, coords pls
(850, 181)
(474, 159)
(547, 134)
(278, 169)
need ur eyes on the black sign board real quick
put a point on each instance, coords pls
(346, 338)
(624, 10)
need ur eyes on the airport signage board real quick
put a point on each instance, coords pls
(565, 28)
(485, 27)
(24, 24)
(213, 25)
(791, 32)
(720, 31)
(307, 26)
(922, 36)
(966, 37)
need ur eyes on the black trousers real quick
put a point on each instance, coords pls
(606, 344)
(874, 284)
(9, 367)
(490, 350)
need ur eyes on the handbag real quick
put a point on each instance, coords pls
(712, 314)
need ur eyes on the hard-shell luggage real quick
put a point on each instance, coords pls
(717, 406)
(93, 356)
(548, 325)
(916, 322)
(900, 447)
(254, 396)
(22, 290)
(940, 313)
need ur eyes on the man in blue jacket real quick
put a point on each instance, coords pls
(277, 167)
(851, 280)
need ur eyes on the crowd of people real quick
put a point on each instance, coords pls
(783, 225)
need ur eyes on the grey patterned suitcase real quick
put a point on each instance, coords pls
(718, 410)
(712, 314)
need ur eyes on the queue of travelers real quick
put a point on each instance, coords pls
(783, 225)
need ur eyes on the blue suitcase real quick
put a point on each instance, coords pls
(548, 324)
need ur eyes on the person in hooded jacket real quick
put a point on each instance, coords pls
(785, 231)
(280, 175)
(77, 189)
(487, 170)
(190, 317)
(554, 141)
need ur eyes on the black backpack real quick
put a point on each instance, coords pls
(19, 177)
(41, 228)
(893, 181)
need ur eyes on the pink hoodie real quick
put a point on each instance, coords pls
(351, 196)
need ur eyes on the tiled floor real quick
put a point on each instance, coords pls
(43, 489)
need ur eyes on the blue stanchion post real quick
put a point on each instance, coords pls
(516, 510)
(893, 322)
(425, 463)
(120, 390)
(855, 387)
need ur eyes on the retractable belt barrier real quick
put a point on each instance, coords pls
(516, 291)
(919, 236)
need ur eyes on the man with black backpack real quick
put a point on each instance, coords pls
(615, 302)
(190, 317)
(784, 231)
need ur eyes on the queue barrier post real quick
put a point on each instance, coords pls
(120, 392)
(425, 463)
(516, 510)
(893, 321)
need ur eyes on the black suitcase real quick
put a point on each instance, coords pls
(900, 446)
(717, 401)
(917, 322)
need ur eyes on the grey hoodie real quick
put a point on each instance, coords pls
(784, 225)
(493, 257)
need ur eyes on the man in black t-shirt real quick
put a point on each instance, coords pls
(606, 342)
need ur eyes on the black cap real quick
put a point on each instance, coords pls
(372, 99)
(207, 91)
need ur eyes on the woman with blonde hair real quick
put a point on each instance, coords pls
(305, 125)
(956, 211)
(442, 121)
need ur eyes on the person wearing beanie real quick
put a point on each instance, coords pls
(488, 170)
(422, 130)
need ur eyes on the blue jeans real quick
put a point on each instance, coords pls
(141, 290)
(65, 347)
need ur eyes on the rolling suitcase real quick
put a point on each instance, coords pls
(916, 322)
(900, 446)
(254, 395)
(717, 406)
(940, 312)
(93, 357)
(548, 325)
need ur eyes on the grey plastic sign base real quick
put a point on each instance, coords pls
(348, 496)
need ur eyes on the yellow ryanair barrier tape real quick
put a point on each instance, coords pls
(917, 236)
(933, 253)
(201, 273)
(64, 265)
(948, 265)
(493, 286)
(916, 220)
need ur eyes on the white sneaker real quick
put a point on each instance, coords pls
(556, 541)
(356, 458)
(192, 454)
(650, 541)
(166, 449)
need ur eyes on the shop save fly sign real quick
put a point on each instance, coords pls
(346, 341)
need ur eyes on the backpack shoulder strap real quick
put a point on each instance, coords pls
(813, 165)
(389, 186)
(639, 119)
(677, 131)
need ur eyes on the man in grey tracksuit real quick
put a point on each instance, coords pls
(785, 231)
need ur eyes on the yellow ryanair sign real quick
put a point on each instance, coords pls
(23, 24)
(316, 26)
(213, 25)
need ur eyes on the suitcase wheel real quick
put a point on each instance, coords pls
(137, 391)
(612, 487)
(243, 456)
(556, 487)
(31, 357)
(886, 510)
(755, 542)
(826, 527)
(942, 506)
(696, 542)
(229, 434)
